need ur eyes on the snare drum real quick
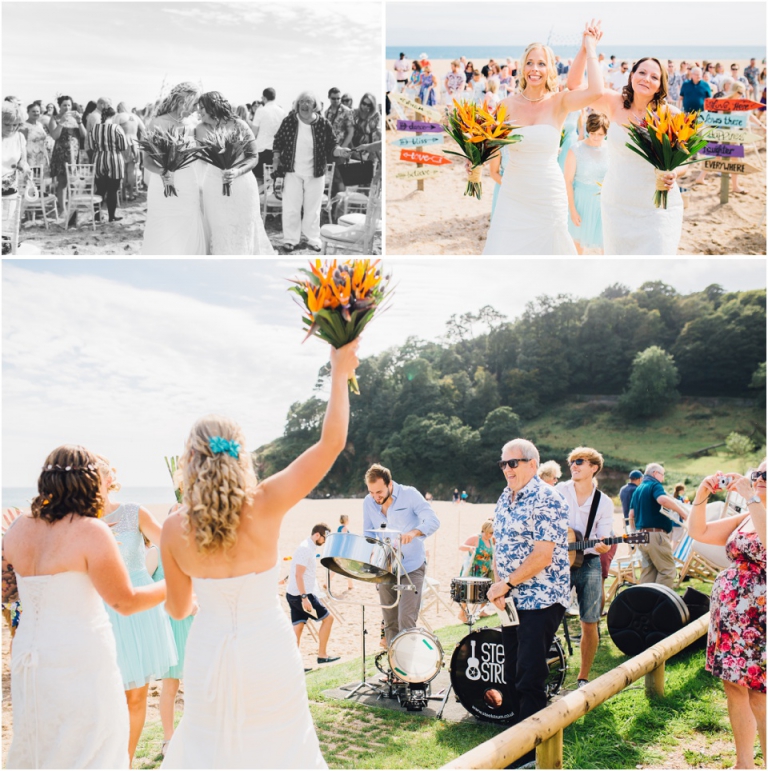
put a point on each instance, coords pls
(416, 656)
(470, 589)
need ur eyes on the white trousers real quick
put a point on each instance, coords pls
(298, 192)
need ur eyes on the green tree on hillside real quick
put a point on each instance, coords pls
(652, 386)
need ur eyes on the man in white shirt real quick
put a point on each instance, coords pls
(265, 124)
(402, 71)
(302, 591)
(619, 77)
(579, 493)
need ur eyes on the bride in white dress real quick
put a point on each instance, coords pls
(631, 222)
(245, 697)
(232, 222)
(531, 215)
(175, 223)
(69, 708)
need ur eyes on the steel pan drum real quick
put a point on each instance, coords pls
(359, 557)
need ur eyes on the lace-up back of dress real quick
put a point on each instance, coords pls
(124, 524)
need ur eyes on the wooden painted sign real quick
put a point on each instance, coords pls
(406, 101)
(414, 156)
(416, 141)
(417, 174)
(727, 120)
(723, 151)
(418, 125)
(731, 136)
(729, 167)
(730, 105)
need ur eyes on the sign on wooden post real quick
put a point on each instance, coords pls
(417, 141)
(723, 151)
(418, 173)
(412, 104)
(731, 105)
(731, 136)
(419, 125)
(729, 167)
(414, 156)
(726, 120)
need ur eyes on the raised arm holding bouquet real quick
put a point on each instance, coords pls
(531, 215)
(642, 210)
(340, 300)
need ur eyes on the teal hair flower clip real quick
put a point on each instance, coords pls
(219, 444)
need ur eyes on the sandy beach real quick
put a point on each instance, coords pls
(458, 522)
(440, 220)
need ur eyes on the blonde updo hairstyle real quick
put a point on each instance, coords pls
(552, 83)
(215, 486)
(106, 469)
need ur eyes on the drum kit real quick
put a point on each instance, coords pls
(415, 657)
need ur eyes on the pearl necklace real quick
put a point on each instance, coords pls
(528, 99)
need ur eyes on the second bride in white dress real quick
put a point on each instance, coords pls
(245, 700)
(232, 222)
(531, 215)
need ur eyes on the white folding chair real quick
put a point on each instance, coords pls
(271, 204)
(81, 191)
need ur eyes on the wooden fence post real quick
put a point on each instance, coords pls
(725, 179)
(654, 681)
(549, 754)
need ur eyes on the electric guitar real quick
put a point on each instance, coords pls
(576, 544)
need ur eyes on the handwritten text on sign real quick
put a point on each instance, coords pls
(729, 167)
(417, 125)
(723, 151)
(428, 112)
(418, 174)
(729, 105)
(731, 136)
(726, 121)
(413, 156)
(416, 141)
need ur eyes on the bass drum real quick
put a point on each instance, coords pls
(479, 679)
(416, 656)
(642, 615)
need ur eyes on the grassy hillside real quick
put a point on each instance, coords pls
(689, 427)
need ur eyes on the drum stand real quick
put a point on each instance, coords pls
(399, 587)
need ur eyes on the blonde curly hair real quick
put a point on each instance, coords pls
(551, 83)
(215, 485)
(106, 469)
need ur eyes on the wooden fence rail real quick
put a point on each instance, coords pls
(544, 730)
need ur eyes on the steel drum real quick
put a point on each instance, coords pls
(359, 557)
(416, 656)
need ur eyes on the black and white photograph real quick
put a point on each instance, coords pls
(209, 128)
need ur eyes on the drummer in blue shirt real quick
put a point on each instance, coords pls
(402, 508)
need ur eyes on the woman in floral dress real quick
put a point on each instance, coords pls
(66, 128)
(479, 562)
(736, 641)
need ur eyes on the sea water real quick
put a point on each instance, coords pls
(21, 497)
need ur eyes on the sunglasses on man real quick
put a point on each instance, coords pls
(578, 461)
(514, 463)
(755, 475)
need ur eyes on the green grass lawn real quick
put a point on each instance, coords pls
(687, 728)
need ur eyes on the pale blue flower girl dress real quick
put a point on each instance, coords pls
(145, 646)
(591, 167)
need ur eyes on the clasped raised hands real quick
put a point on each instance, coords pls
(592, 34)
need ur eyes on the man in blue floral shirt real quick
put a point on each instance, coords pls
(531, 566)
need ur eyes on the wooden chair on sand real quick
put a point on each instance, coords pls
(81, 191)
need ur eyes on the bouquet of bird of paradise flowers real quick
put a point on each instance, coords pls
(170, 150)
(225, 149)
(172, 464)
(480, 136)
(340, 300)
(667, 141)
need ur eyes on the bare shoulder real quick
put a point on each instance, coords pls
(174, 525)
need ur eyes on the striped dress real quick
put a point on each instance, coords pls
(109, 142)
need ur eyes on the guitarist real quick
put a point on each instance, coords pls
(590, 513)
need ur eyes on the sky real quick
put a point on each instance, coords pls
(123, 356)
(624, 23)
(128, 50)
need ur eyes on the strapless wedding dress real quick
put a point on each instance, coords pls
(631, 222)
(69, 708)
(245, 697)
(233, 222)
(531, 215)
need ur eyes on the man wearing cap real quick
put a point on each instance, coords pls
(658, 565)
(302, 592)
(392, 506)
(402, 69)
(626, 493)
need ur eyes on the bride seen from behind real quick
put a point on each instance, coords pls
(531, 214)
(631, 222)
(245, 702)
(232, 222)
(69, 708)
(174, 223)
